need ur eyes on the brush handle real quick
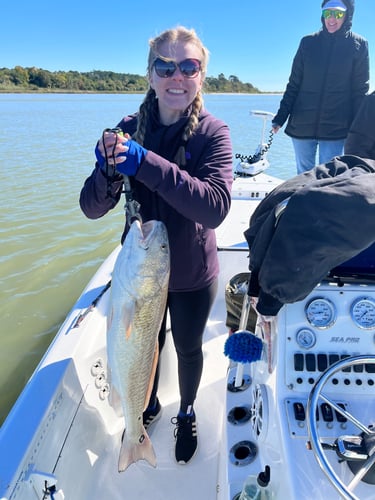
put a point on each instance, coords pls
(242, 326)
(246, 304)
(239, 375)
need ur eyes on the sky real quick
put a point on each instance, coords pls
(254, 40)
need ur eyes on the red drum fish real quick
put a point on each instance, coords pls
(138, 300)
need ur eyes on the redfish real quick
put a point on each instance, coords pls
(138, 300)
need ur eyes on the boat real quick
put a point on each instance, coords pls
(297, 423)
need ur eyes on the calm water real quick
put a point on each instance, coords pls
(49, 250)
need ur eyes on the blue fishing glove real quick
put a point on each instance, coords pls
(99, 157)
(134, 157)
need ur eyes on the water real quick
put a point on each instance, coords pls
(49, 250)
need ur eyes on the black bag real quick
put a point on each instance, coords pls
(235, 292)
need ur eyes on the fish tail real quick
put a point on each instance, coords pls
(132, 452)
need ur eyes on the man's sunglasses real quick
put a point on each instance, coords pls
(189, 68)
(337, 14)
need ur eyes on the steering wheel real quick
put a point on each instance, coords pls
(316, 393)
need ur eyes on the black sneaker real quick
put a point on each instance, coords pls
(185, 435)
(151, 416)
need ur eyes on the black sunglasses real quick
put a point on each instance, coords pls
(189, 68)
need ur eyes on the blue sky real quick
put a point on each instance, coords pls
(254, 40)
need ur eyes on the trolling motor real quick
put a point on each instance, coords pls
(251, 165)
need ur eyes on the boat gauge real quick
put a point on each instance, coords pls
(363, 312)
(305, 338)
(320, 312)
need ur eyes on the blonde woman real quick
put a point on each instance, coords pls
(179, 159)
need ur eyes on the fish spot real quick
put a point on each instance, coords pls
(141, 438)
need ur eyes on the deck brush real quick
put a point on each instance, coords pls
(243, 347)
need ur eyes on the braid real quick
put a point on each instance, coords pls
(192, 124)
(145, 111)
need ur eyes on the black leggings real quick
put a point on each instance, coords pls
(188, 312)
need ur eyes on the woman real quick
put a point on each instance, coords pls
(329, 77)
(179, 158)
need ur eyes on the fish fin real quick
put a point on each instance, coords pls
(131, 453)
(128, 332)
(152, 376)
(128, 312)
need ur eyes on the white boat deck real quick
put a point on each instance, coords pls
(246, 194)
(65, 428)
(69, 393)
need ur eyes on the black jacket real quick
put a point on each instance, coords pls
(329, 218)
(361, 137)
(329, 77)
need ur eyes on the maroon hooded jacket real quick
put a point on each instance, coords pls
(191, 199)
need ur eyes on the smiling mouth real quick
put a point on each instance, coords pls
(176, 91)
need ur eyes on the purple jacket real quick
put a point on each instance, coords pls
(191, 200)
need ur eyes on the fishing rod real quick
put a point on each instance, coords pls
(92, 306)
(132, 212)
(131, 207)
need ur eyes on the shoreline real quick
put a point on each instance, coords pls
(64, 91)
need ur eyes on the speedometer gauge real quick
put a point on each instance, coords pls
(320, 312)
(363, 312)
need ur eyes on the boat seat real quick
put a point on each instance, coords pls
(361, 266)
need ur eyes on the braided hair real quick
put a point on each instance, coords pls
(148, 106)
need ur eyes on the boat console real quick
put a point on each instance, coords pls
(307, 408)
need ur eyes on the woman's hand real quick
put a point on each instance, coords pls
(110, 146)
(117, 152)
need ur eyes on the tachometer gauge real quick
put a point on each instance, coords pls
(363, 312)
(320, 312)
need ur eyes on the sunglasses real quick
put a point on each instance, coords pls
(337, 14)
(189, 68)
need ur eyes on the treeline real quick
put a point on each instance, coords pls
(21, 79)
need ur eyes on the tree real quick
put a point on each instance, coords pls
(34, 79)
(20, 76)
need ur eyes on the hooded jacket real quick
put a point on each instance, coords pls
(361, 137)
(329, 218)
(329, 77)
(192, 200)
